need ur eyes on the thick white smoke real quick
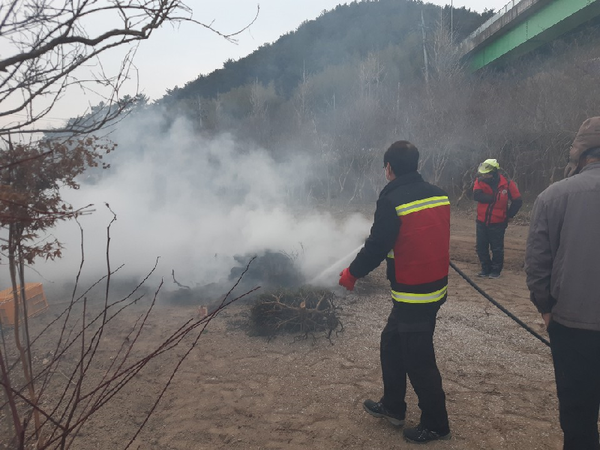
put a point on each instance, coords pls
(197, 203)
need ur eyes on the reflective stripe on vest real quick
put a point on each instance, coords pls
(419, 205)
(408, 297)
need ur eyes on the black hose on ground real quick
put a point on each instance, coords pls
(498, 305)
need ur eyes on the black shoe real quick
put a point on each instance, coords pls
(495, 275)
(376, 409)
(483, 274)
(421, 435)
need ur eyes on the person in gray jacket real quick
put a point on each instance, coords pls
(562, 263)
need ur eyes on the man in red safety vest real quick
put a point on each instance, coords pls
(411, 230)
(498, 200)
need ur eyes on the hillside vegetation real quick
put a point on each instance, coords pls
(342, 87)
(342, 36)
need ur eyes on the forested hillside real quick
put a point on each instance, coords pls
(345, 35)
(342, 87)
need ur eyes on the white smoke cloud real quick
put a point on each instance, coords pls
(197, 203)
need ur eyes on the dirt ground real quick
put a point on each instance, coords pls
(239, 391)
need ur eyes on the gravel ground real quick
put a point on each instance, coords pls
(238, 391)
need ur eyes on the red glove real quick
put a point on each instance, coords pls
(347, 279)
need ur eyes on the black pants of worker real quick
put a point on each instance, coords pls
(411, 353)
(576, 356)
(490, 237)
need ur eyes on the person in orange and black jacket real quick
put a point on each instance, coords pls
(411, 229)
(498, 201)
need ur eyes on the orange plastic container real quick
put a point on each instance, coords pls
(35, 298)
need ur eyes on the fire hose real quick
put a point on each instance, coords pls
(337, 266)
(498, 305)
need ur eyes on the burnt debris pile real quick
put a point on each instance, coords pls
(304, 311)
(269, 270)
(284, 303)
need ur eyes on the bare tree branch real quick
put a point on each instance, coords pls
(53, 46)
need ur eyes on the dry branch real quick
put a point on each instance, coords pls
(51, 47)
(84, 388)
(306, 310)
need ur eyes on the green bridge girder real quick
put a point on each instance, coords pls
(545, 24)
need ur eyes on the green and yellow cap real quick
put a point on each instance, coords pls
(489, 165)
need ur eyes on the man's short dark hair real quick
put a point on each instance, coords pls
(403, 157)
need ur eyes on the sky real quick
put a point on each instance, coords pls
(173, 56)
(197, 51)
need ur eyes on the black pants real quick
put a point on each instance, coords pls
(576, 356)
(411, 353)
(490, 237)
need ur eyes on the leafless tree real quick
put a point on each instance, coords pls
(370, 76)
(50, 407)
(48, 48)
(301, 100)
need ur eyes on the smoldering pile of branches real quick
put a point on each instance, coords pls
(271, 269)
(304, 311)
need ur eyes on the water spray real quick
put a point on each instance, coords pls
(339, 264)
